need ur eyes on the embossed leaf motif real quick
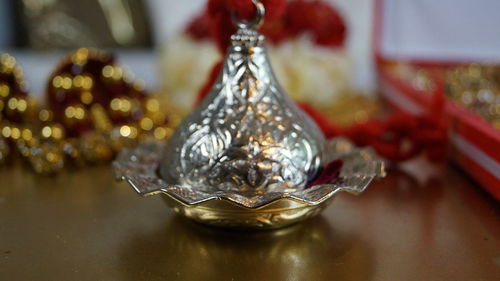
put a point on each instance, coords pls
(139, 167)
(247, 135)
(244, 157)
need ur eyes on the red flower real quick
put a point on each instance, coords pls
(199, 27)
(220, 11)
(282, 21)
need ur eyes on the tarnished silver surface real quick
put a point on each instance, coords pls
(247, 135)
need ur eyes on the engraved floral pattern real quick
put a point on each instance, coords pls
(247, 135)
(139, 168)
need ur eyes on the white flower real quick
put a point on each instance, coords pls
(307, 72)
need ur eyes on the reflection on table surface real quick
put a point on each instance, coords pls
(81, 225)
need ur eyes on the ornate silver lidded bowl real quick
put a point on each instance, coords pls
(245, 156)
(247, 135)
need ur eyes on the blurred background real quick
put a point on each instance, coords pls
(351, 61)
(39, 32)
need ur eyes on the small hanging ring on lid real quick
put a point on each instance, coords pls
(256, 22)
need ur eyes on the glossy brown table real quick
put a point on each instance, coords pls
(81, 225)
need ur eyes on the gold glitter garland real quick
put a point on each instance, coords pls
(472, 86)
(476, 87)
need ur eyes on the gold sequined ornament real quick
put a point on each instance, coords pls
(95, 109)
(14, 101)
(46, 158)
(71, 149)
(95, 148)
(4, 150)
(124, 136)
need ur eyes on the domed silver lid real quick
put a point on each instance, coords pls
(247, 135)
